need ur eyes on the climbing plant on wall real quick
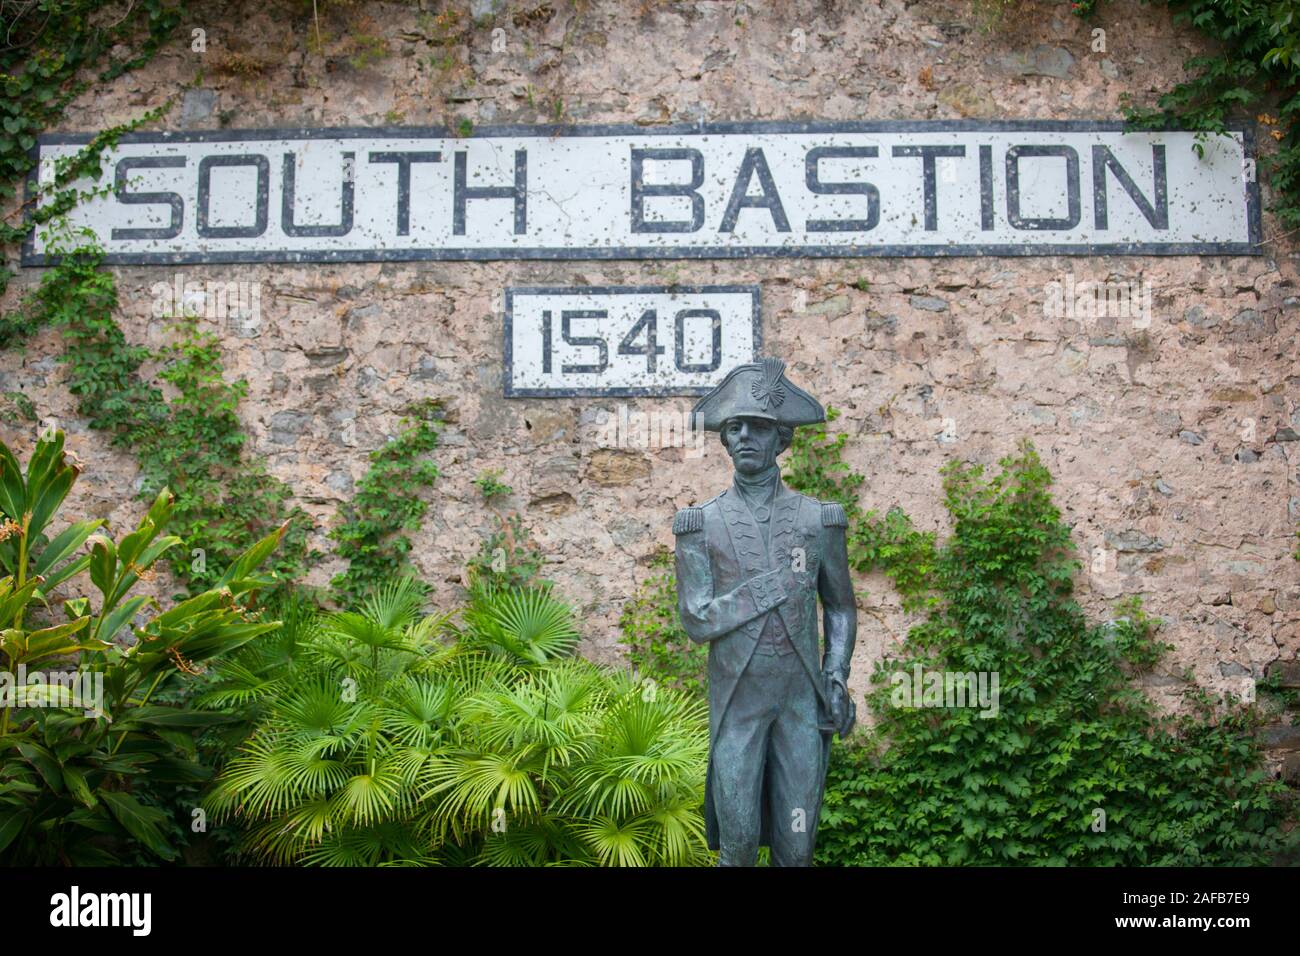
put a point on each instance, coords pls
(49, 52)
(1072, 764)
(1253, 72)
(194, 444)
(370, 534)
(508, 557)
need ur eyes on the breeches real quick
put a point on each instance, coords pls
(769, 734)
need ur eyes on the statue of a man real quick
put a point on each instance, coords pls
(751, 564)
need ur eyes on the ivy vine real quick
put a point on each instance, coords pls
(51, 52)
(508, 558)
(1254, 73)
(1073, 765)
(193, 444)
(387, 503)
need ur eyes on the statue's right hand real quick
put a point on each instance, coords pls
(770, 589)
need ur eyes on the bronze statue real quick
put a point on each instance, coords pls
(751, 564)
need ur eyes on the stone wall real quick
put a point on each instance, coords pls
(1147, 432)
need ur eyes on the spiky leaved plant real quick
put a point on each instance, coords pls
(575, 764)
(400, 738)
(90, 751)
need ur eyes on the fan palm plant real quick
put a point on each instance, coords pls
(397, 738)
(329, 774)
(578, 764)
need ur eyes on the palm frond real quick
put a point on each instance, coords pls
(677, 837)
(366, 798)
(524, 845)
(310, 821)
(420, 710)
(385, 844)
(258, 780)
(240, 683)
(557, 709)
(394, 606)
(528, 625)
(321, 706)
(645, 748)
(479, 788)
(615, 843)
(271, 843)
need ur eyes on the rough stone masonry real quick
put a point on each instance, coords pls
(1172, 442)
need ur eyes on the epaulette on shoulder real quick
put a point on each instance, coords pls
(688, 520)
(833, 515)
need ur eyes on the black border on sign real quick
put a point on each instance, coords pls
(1253, 246)
(509, 391)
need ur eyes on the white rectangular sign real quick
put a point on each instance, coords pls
(625, 341)
(710, 191)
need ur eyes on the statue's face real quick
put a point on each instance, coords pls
(752, 443)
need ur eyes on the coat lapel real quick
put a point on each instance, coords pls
(785, 507)
(746, 536)
(784, 511)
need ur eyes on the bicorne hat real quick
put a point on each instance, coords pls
(757, 390)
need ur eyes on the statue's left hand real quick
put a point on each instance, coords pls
(843, 712)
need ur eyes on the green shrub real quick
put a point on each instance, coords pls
(1077, 767)
(296, 610)
(395, 737)
(73, 770)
